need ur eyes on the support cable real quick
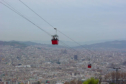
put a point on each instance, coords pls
(47, 21)
(14, 10)
(52, 25)
(25, 18)
(35, 13)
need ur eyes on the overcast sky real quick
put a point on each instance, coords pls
(81, 20)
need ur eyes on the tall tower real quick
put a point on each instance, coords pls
(75, 57)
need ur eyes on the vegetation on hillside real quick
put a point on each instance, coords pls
(91, 81)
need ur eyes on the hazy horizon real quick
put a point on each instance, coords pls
(69, 43)
(83, 20)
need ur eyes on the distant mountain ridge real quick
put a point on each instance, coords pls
(25, 43)
(12, 43)
(110, 44)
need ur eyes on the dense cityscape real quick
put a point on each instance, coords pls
(62, 42)
(28, 64)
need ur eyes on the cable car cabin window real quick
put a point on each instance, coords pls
(89, 65)
(54, 41)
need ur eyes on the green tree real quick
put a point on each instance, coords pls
(91, 81)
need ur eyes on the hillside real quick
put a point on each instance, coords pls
(105, 45)
(111, 44)
(26, 43)
(13, 43)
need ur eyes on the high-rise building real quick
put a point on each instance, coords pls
(75, 57)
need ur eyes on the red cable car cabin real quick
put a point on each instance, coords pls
(55, 41)
(89, 65)
(55, 38)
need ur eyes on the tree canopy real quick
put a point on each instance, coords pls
(91, 81)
